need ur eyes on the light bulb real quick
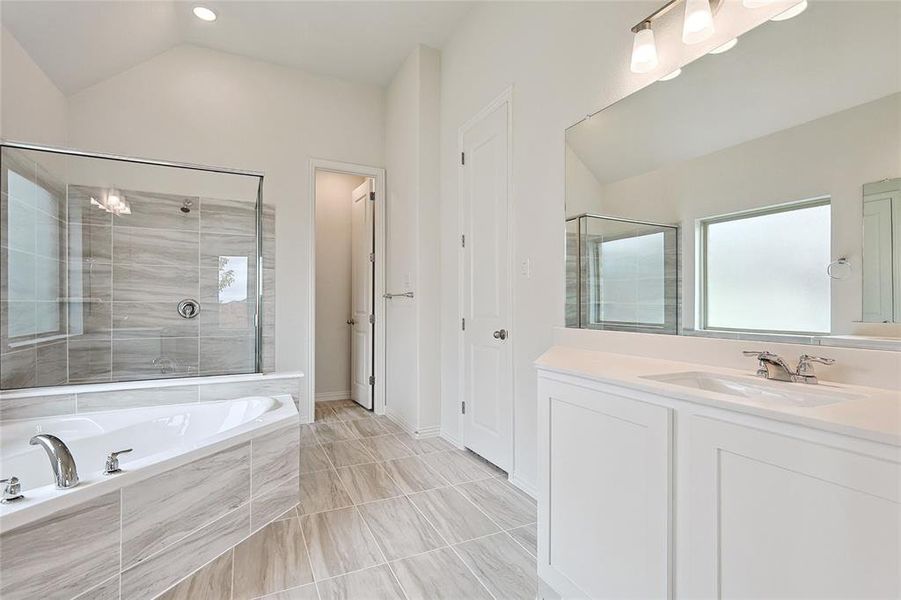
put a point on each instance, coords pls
(755, 3)
(204, 14)
(725, 47)
(644, 50)
(698, 23)
(672, 75)
(794, 11)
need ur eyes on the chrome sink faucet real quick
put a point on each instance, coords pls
(773, 366)
(61, 460)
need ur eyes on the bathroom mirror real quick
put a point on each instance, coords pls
(774, 167)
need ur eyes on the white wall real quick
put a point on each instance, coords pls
(411, 160)
(333, 280)
(201, 106)
(32, 109)
(564, 60)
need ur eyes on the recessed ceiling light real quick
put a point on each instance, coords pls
(794, 11)
(725, 47)
(204, 14)
(672, 75)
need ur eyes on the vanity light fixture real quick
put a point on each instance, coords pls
(204, 14)
(697, 25)
(725, 47)
(755, 3)
(794, 11)
(672, 75)
(644, 48)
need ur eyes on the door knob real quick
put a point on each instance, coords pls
(500, 334)
(350, 321)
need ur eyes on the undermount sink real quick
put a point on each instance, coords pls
(793, 394)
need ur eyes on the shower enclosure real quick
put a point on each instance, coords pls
(115, 269)
(622, 274)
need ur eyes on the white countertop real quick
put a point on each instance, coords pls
(875, 417)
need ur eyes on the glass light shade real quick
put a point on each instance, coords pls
(725, 47)
(794, 11)
(755, 3)
(698, 23)
(644, 51)
(672, 75)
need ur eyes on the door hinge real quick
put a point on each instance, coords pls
(463, 240)
(463, 324)
(463, 407)
(462, 158)
(372, 380)
(372, 257)
(372, 196)
(372, 318)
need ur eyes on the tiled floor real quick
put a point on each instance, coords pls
(383, 516)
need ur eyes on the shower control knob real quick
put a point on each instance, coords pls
(188, 308)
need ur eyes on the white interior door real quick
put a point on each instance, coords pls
(487, 354)
(362, 283)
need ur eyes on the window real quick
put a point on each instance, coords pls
(766, 270)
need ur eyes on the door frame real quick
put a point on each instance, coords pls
(505, 97)
(379, 344)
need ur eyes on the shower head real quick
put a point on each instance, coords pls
(186, 206)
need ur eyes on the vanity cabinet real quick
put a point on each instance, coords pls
(648, 496)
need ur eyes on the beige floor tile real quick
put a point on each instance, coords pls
(332, 432)
(271, 560)
(366, 483)
(497, 498)
(349, 412)
(457, 466)
(412, 475)
(312, 458)
(304, 592)
(325, 413)
(399, 528)
(425, 445)
(339, 542)
(388, 424)
(503, 566)
(438, 575)
(347, 454)
(386, 447)
(322, 490)
(289, 514)
(377, 583)
(527, 536)
(307, 437)
(455, 517)
(212, 582)
(367, 427)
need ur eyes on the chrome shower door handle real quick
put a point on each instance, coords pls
(500, 334)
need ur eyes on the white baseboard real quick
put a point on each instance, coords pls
(399, 420)
(457, 443)
(427, 432)
(326, 396)
(524, 486)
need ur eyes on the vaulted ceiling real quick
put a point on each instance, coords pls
(79, 43)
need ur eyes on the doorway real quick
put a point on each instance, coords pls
(347, 337)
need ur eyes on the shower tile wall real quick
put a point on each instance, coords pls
(123, 276)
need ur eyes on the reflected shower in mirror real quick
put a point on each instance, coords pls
(775, 166)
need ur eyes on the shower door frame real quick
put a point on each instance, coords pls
(258, 312)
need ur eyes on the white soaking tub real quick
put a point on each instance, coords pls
(162, 438)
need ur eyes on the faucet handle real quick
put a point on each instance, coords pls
(758, 353)
(112, 461)
(805, 365)
(12, 491)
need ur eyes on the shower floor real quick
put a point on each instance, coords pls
(382, 515)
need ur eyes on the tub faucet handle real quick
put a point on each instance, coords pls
(12, 490)
(112, 461)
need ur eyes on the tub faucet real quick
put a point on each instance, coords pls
(61, 460)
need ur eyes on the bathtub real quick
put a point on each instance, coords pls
(162, 438)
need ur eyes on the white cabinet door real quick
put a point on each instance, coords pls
(773, 516)
(605, 509)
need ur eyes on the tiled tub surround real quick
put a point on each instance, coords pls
(382, 515)
(76, 399)
(164, 521)
(119, 279)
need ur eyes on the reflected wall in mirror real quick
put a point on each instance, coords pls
(768, 163)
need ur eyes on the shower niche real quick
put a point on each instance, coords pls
(121, 269)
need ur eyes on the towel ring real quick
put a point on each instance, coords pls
(841, 273)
